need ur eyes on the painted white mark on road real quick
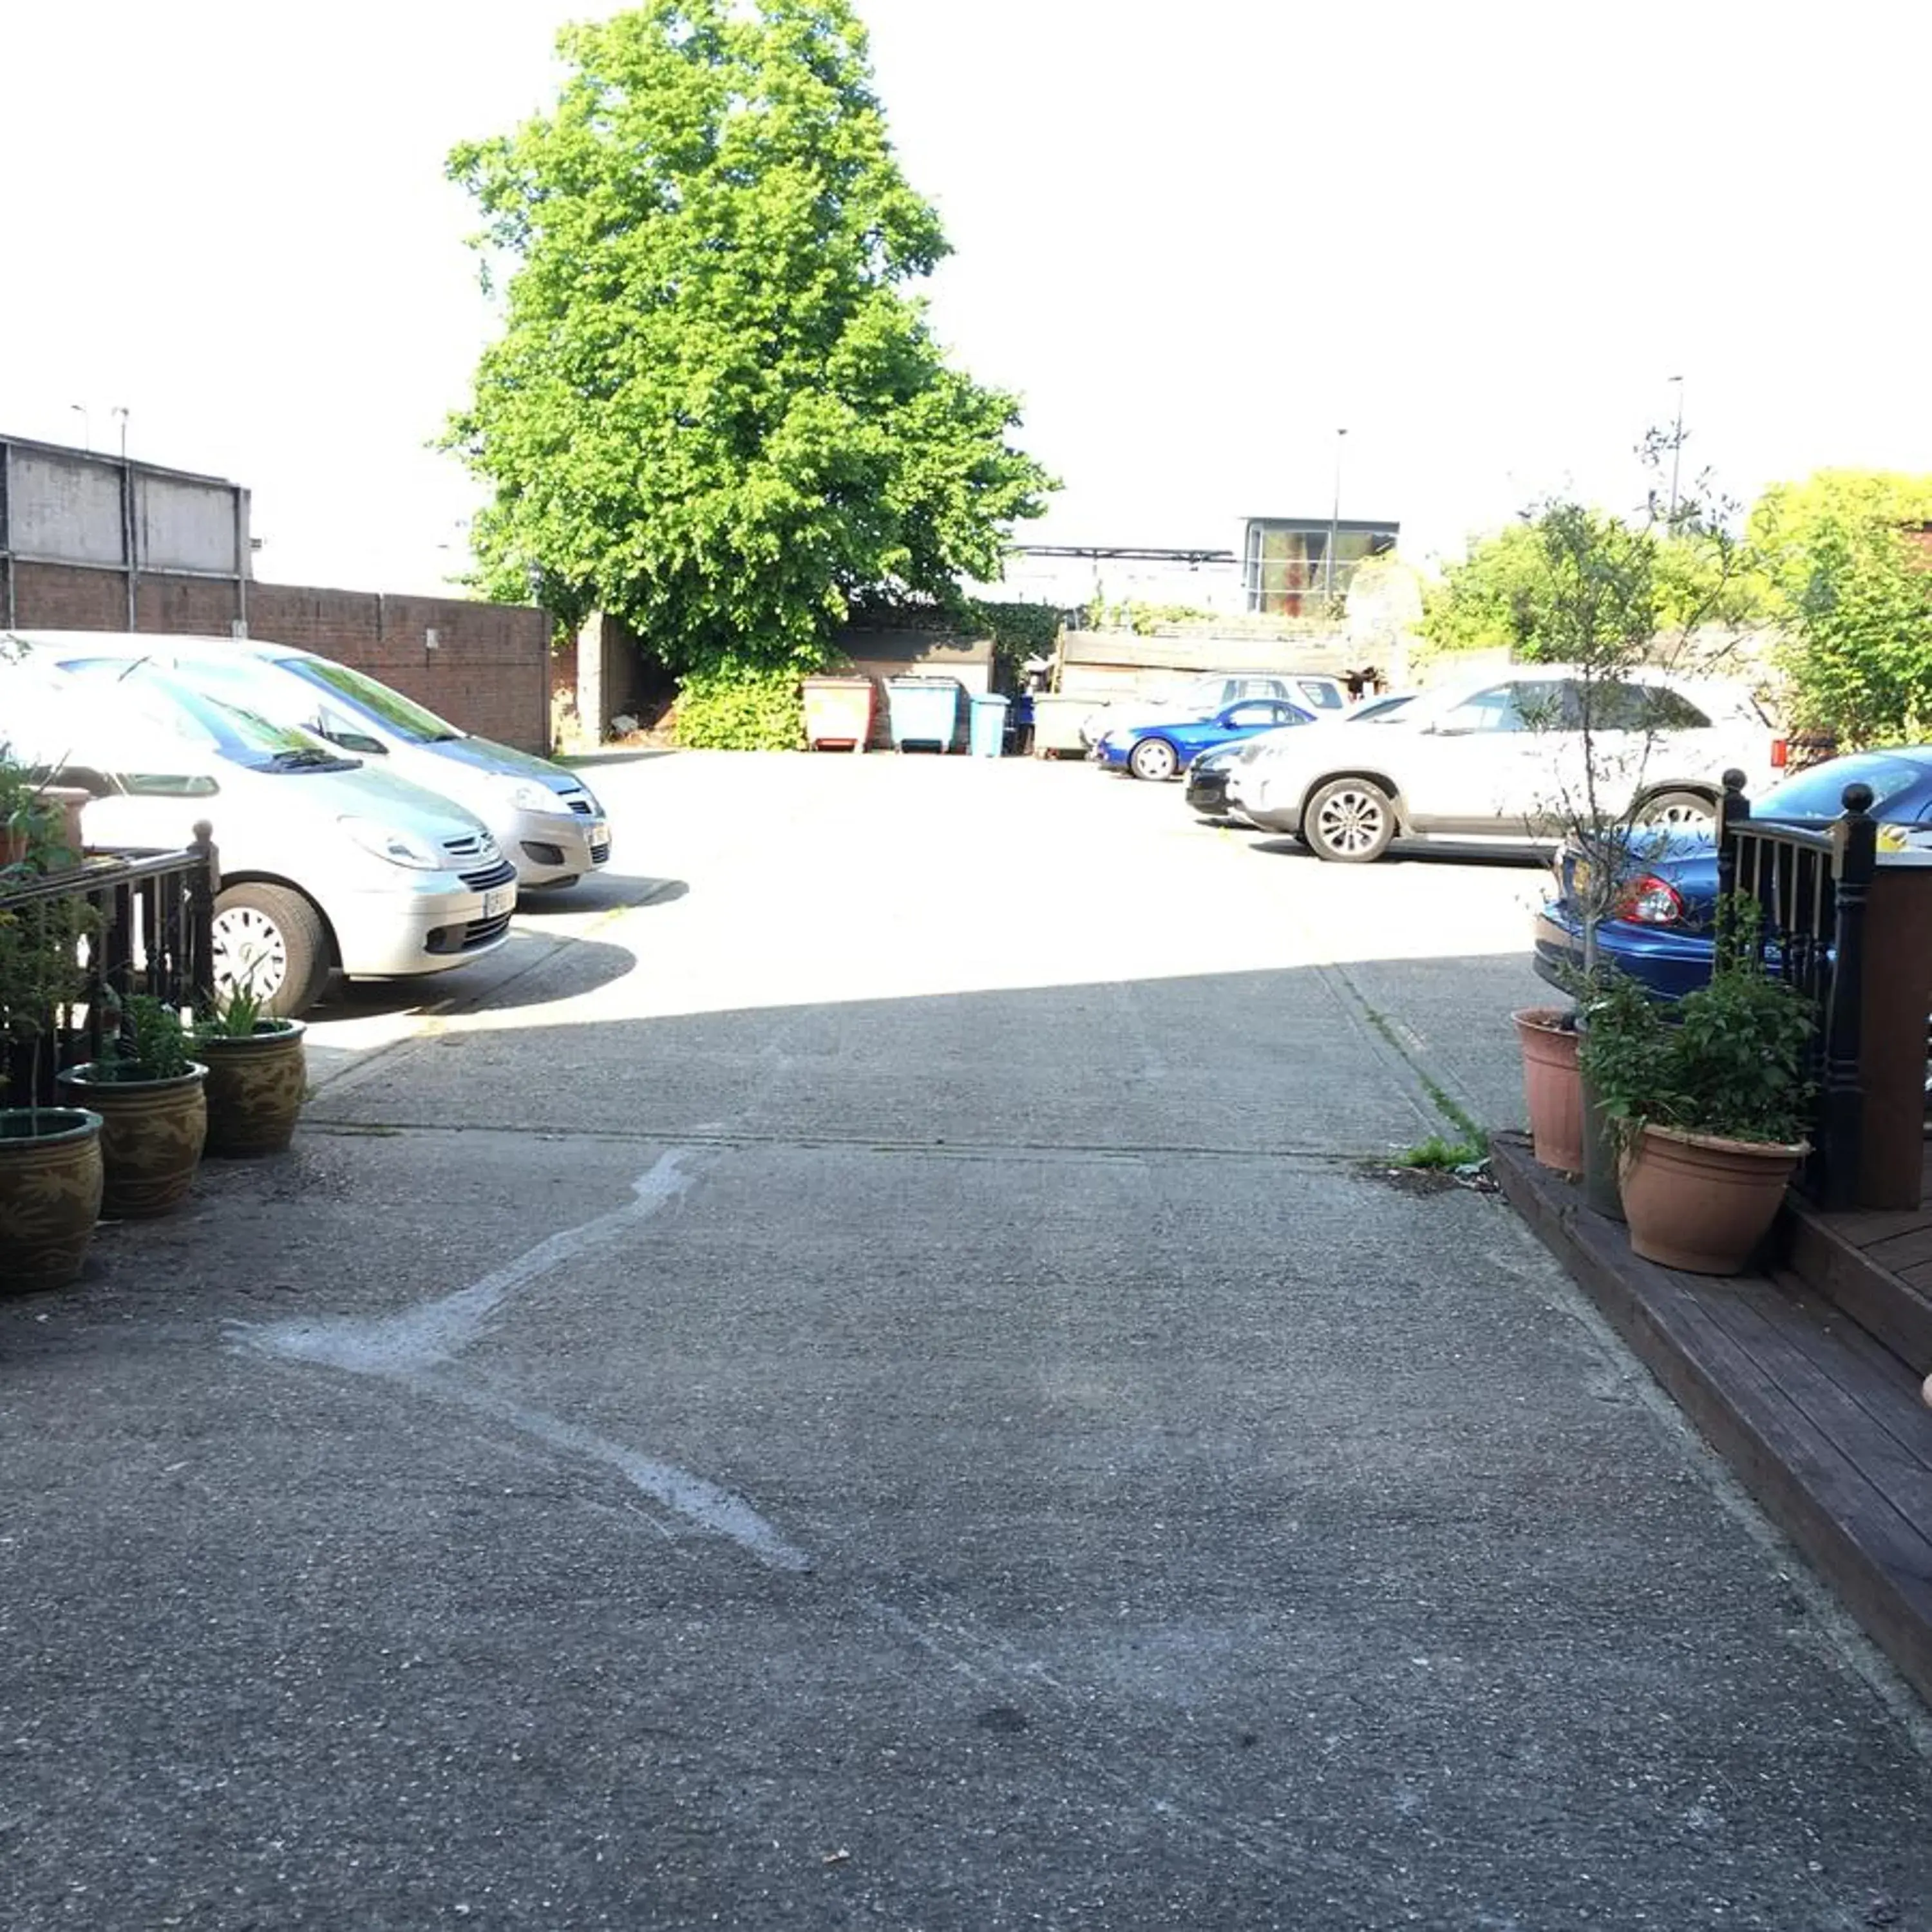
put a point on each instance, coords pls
(692, 1497)
(418, 1347)
(438, 1331)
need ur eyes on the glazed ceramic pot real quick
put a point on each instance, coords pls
(255, 1086)
(50, 1185)
(152, 1132)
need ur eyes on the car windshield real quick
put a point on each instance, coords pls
(1819, 793)
(403, 716)
(209, 724)
(1381, 707)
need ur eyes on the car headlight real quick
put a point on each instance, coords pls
(399, 848)
(527, 795)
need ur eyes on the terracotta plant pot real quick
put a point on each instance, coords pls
(50, 1178)
(256, 1088)
(1553, 1086)
(151, 1133)
(1700, 1203)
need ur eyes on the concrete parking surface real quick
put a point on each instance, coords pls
(868, 1369)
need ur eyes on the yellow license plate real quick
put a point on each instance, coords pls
(1579, 878)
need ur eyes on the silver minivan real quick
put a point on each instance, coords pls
(326, 865)
(547, 820)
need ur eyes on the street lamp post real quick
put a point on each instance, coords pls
(120, 409)
(86, 425)
(1334, 524)
(1676, 453)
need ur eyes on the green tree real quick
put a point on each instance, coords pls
(1852, 579)
(1503, 593)
(714, 408)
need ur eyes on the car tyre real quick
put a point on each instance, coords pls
(1351, 821)
(273, 941)
(1677, 811)
(1154, 759)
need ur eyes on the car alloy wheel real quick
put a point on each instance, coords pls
(1677, 811)
(1351, 820)
(1153, 758)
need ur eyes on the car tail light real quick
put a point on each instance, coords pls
(1780, 753)
(1650, 900)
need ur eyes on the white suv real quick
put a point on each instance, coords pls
(1500, 760)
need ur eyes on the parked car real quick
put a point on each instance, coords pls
(1496, 760)
(1660, 933)
(326, 865)
(1208, 775)
(545, 819)
(1203, 696)
(1160, 751)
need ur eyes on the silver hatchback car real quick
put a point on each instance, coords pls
(548, 822)
(327, 865)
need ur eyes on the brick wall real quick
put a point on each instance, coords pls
(488, 670)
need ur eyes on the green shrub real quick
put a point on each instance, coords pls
(742, 708)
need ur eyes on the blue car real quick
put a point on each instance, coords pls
(1660, 933)
(1159, 751)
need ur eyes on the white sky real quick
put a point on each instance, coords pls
(1481, 235)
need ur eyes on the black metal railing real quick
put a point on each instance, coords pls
(125, 922)
(1811, 888)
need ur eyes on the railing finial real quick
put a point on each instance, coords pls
(1857, 800)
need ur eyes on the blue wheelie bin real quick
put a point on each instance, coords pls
(986, 732)
(923, 711)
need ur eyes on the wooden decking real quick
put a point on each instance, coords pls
(1875, 1265)
(1811, 1394)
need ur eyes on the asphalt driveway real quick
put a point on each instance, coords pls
(868, 1370)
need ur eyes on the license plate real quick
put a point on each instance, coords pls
(1579, 878)
(496, 903)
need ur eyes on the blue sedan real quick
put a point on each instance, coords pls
(1659, 932)
(1160, 751)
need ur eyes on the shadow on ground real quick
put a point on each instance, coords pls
(600, 892)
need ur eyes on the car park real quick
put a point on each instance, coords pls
(326, 865)
(545, 819)
(1660, 929)
(1500, 760)
(1203, 696)
(1156, 751)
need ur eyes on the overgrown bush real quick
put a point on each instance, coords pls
(741, 708)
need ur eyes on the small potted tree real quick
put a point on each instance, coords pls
(1612, 599)
(257, 1074)
(1709, 1103)
(148, 1094)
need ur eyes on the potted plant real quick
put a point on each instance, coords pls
(148, 1094)
(1708, 1104)
(257, 1076)
(50, 1165)
(1612, 601)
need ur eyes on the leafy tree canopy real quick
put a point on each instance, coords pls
(714, 408)
(1848, 562)
(1529, 587)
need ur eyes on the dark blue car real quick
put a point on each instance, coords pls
(1660, 934)
(1158, 750)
